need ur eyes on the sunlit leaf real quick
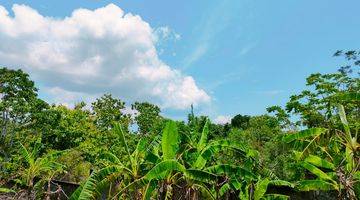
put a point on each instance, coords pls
(168, 165)
(312, 132)
(319, 162)
(204, 135)
(260, 188)
(170, 140)
(310, 185)
(316, 171)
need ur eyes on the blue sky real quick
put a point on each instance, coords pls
(245, 54)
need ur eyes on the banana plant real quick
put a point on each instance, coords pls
(200, 152)
(170, 170)
(175, 170)
(165, 173)
(107, 178)
(233, 178)
(229, 176)
(36, 166)
(337, 167)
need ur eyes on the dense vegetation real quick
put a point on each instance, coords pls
(312, 144)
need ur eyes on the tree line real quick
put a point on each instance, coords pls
(309, 145)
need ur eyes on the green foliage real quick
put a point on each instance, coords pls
(170, 140)
(214, 147)
(240, 121)
(304, 134)
(157, 172)
(75, 166)
(204, 136)
(69, 127)
(254, 157)
(260, 188)
(320, 105)
(19, 107)
(37, 166)
(18, 95)
(316, 171)
(341, 161)
(107, 111)
(148, 118)
(309, 185)
(232, 170)
(6, 190)
(319, 162)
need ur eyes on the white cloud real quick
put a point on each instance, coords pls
(165, 33)
(221, 119)
(68, 98)
(93, 52)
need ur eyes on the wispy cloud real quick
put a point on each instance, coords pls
(224, 79)
(198, 52)
(215, 20)
(269, 92)
(247, 48)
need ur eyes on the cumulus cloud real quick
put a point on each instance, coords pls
(221, 119)
(93, 52)
(68, 98)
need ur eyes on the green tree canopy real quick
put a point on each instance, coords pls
(240, 121)
(108, 110)
(148, 118)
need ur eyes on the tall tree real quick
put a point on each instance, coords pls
(148, 118)
(18, 97)
(108, 110)
(240, 121)
(66, 127)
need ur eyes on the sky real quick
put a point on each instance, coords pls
(225, 57)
